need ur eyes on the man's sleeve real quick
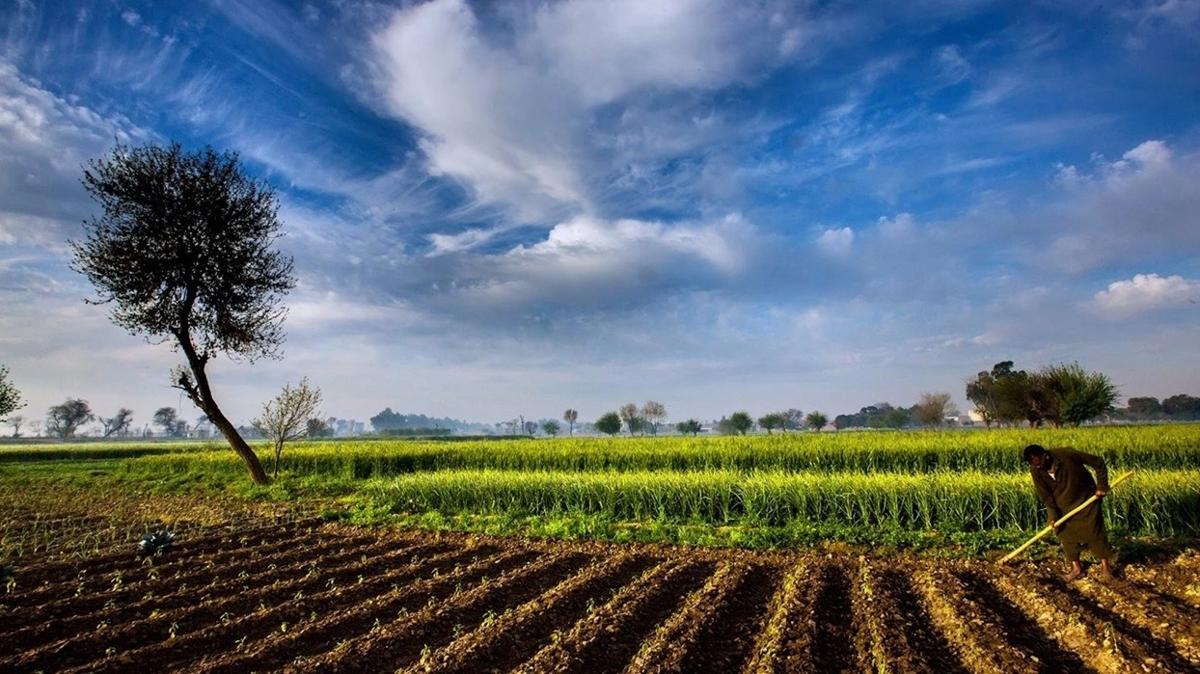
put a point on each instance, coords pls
(1097, 465)
(1043, 493)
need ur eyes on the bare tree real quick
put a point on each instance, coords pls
(933, 408)
(183, 250)
(16, 420)
(63, 420)
(285, 417)
(571, 416)
(119, 423)
(654, 413)
(629, 414)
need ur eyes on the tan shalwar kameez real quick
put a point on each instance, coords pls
(1065, 485)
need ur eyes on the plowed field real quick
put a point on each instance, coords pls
(299, 595)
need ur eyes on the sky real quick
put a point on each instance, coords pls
(503, 209)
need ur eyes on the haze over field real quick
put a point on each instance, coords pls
(504, 209)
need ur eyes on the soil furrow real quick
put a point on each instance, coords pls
(177, 614)
(1164, 620)
(241, 631)
(901, 635)
(513, 637)
(975, 633)
(605, 640)
(188, 542)
(839, 639)
(347, 623)
(191, 585)
(67, 578)
(1024, 632)
(402, 642)
(786, 641)
(1180, 585)
(1098, 642)
(726, 642)
(667, 648)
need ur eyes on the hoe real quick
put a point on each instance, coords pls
(1042, 534)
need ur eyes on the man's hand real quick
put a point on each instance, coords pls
(1100, 493)
(1053, 525)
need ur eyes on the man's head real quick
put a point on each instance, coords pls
(1036, 456)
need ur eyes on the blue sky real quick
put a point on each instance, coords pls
(510, 208)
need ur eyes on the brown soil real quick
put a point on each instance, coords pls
(309, 597)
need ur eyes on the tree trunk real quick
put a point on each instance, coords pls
(253, 465)
(202, 396)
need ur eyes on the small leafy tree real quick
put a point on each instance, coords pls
(740, 422)
(285, 417)
(816, 420)
(690, 426)
(184, 252)
(771, 421)
(118, 423)
(10, 397)
(793, 419)
(167, 418)
(571, 416)
(317, 428)
(550, 427)
(1074, 394)
(63, 420)
(609, 423)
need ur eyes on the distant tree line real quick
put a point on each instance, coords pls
(388, 421)
(1180, 407)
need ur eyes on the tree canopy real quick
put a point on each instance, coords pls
(10, 397)
(65, 419)
(609, 423)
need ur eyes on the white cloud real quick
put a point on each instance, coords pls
(587, 264)
(898, 227)
(1146, 292)
(516, 120)
(44, 142)
(1151, 154)
(1131, 209)
(836, 241)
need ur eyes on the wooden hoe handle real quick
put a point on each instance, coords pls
(1044, 532)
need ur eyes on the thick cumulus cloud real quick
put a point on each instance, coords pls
(1145, 293)
(521, 118)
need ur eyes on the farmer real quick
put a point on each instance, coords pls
(1062, 482)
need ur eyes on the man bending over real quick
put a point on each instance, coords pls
(1062, 482)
